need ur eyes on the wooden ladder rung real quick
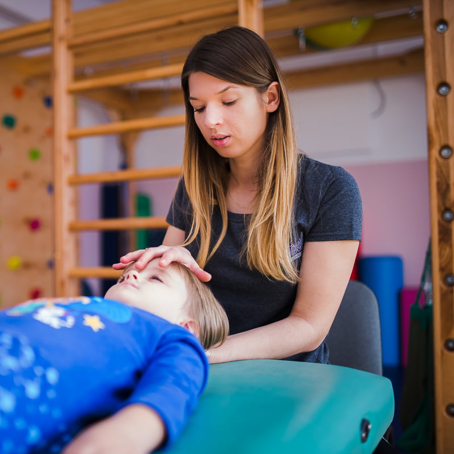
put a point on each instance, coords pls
(25, 31)
(126, 78)
(99, 272)
(127, 126)
(127, 175)
(154, 24)
(137, 223)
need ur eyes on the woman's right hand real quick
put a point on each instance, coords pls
(168, 255)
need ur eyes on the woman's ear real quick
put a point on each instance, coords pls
(272, 97)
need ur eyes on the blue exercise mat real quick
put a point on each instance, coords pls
(384, 275)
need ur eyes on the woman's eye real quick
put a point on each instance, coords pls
(200, 109)
(155, 278)
(230, 103)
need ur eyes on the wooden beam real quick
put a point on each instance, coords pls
(100, 272)
(120, 224)
(65, 200)
(24, 31)
(126, 78)
(155, 24)
(314, 12)
(126, 175)
(439, 47)
(410, 63)
(153, 42)
(113, 98)
(105, 18)
(384, 29)
(127, 126)
(250, 15)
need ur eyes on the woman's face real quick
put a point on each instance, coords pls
(232, 118)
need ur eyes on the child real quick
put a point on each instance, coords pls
(122, 360)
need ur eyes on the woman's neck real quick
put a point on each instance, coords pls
(241, 191)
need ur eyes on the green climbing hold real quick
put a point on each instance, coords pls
(9, 121)
(34, 154)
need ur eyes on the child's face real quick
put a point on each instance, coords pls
(161, 291)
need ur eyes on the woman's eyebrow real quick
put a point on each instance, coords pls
(192, 98)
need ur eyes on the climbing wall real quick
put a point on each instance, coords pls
(26, 218)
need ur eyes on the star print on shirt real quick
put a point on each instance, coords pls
(94, 322)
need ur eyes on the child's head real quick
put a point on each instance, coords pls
(175, 294)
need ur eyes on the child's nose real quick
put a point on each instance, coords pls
(133, 275)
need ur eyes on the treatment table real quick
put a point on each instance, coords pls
(284, 407)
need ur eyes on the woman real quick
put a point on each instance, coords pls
(278, 231)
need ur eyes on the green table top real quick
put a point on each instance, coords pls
(284, 407)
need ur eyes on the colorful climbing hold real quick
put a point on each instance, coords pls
(9, 121)
(18, 92)
(50, 264)
(47, 100)
(49, 131)
(34, 154)
(14, 263)
(50, 188)
(12, 184)
(35, 293)
(35, 224)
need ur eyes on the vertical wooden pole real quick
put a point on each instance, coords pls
(64, 151)
(250, 15)
(439, 61)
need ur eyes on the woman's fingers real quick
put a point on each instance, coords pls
(168, 255)
(127, 259)
(183, 256)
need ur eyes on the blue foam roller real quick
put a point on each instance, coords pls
(384, 275)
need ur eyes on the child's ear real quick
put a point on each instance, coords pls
(192, 326)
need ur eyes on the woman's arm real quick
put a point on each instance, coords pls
(325, 271)
(137, 429)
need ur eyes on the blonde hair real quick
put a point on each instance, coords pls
(238, 55)
(205, 309)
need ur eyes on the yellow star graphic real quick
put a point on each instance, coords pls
(93, 322)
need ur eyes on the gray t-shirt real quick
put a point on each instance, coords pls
(327, 208)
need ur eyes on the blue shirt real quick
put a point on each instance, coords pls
(65, 363)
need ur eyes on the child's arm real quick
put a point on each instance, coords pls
(136, 429)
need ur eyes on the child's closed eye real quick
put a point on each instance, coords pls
(155, 278)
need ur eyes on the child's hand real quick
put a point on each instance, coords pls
(134, 430)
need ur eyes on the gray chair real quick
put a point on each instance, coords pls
(355, 336)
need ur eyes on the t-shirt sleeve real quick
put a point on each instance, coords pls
(179, 214)
(339, 215)
(173, 381)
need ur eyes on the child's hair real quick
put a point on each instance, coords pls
(210, 316)
(240, 56)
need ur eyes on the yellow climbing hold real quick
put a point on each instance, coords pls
(14, 263)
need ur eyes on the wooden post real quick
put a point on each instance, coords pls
(64, 152)
(250, 15)
(439, 52)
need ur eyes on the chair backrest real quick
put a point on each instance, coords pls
(355, 337)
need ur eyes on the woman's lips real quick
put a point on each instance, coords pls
(220, 141)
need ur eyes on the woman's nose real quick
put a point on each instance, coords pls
(212, 117)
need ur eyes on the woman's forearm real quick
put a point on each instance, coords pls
(278, 340)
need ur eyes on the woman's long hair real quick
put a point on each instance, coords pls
(240, 56)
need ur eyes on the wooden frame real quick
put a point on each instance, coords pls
(439, 38)
(137, 22)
